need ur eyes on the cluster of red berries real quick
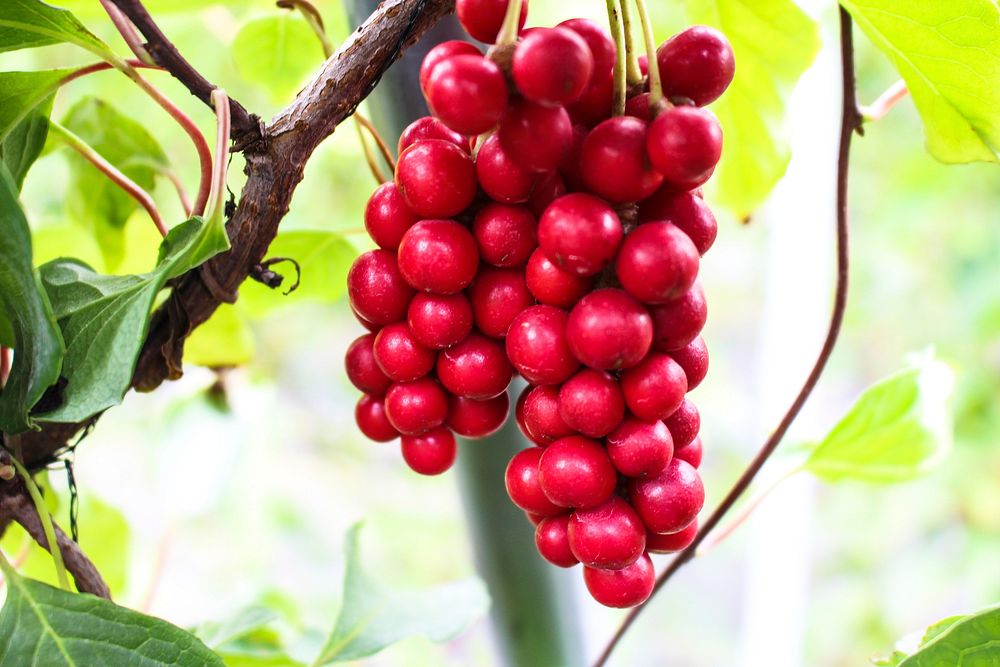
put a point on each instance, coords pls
(529, 231)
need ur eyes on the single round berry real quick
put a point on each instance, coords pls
(468, 93)
(370, 326)
(551, 285)
(498, 296)
(657, 263)
(576, 472)
(693, 358)
(426, 129)
(552, 541)
(655, 388)
(362, 370)
(687, 211)
(597, 102)
(609, 330)
(476, 368)
(537, 346)
(400, 356)
(477, 419)
(552, 66)
(602, 47)
(638, 106)
(483, 18)
(685, 144)
(543, 422)
(549, 188)
(580, 234)
(535, 519)
(627, 587)
(505, 234)
(438, 256)
(671, 542)
(591, 402)
(691, 452)
(609, 537)
(500, 176)
(430, 453)
(614, 163)
(441, 52)
(387, 217)
(440, 320)
(416, 407)
(640, 448)
(437, 178)
(534, 136)
(697, 64)
(377, 289)
(679, 322)
(371, 419)
(684, 424)
(670, 501)
(523, 484)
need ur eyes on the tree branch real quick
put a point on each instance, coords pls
(850, 123)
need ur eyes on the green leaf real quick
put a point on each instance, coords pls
(224, 340)
(897, 429)
(247, 640)
(26, 24)
(372, 618)
(277, 52)
(104, 318)
(959, 641)
(27, 322)
(41, 625)
(949, 56)
(25, 105)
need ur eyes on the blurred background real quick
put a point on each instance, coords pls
(235, 488)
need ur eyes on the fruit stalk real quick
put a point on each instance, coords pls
(621, 58)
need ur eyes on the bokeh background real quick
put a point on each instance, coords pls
(235, 488)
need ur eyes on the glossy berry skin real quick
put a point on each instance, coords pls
(591, 402)
(519, 416)
(476, 368)
(671, 542)
(498, 296)
(614, 163)
(693, 358)
(608, 537)
(692, 453)
(377, 289)
(551, 285)
(523, 484)
(697, 64)
(580, 234)
(552, 66)
(686, 211)
(640, 448)
(657, 263)
(362, 370)
(483, 18)
(684, 424)
(609, 330)
(477, 419)
(439, 256)
(602, 47)
(387, 217)
(684, 144)
(627, 587)
(505, 234)
(437, 178)
(542, 418)
(552, 540)
(596, 104)
(535, 136)
(654, 388)
(500, 176)
(443, 51)
(426, 129)
(576, 472)
(670, 501)
(679, 322)
(438, 321)
(416, 407)
(430, 453)
(371, 419)
(400, 356)
(537, 345)
(468, 93)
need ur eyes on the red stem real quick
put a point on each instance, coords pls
(127, 31)
(102, 66)
(886, 101)
(4, 365)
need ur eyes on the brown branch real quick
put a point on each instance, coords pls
(850, 123)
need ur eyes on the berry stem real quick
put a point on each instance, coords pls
(851, 121)
(370, 157)
(128, 33)
(43, 515)
(182, 194)
(312, 17)
(633, 74)
(511, 23)
(4, 365)
(655, 85)
(885, 102)
(379, 141)
(217, 198)
(621, 67)
(102, 67)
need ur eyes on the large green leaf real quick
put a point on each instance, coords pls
(42, 626)
(897, 429)
(25, 105)
(26, 24)
(104, 318)
(371, 618)
(949, 55)
(277, 52)
(27, 322)
(959, 641)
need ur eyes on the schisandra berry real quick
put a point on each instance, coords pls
(483, 18)
(693, 358)
(468, 93)
(669, 502)
(535, 136)
(442, 52)
(430, 453)
(371, 419)
(378, 291)
(543, 422)
(692, 453)
(501, 177)
(438, 256)
(627, 587)
(551, 285)
(687, 211)
(609, 330)
(671, 542)
(524, 485)
(608, 537)
(602, 47)
(505, 234)
(437, 178)
(427, 129)
(552, 66)
(657, 263)
(580, 234)
(440, 320)
(477, 419)
(387, 217)
(476, 368)
(614, 162)
(362, 370)
(684, 424)
(677, 323)
(697, 64)
(416, 407)
(655, 388)
(596, 103)
(684, 144)
(400, 356)
(576, 472)
(498, 296)
(537, 345)
(640, 448)
(591, 403)
(552, 540)
(638, 106)
(549, 188)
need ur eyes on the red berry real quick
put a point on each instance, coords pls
(535, 519)
(553, 286)
(697, 64)
(576, 472)
(591, 402)
(687, 211)
(441, 52)
(580, 234)
(684, 424)
(693, 358)
(437, 178)
(476, 368)
(498, 296)
(551, 539)
(477, 419)
(536, 345)
(519, 416)
(655, 388)
(483, 18)
(468, 93)
(596, 104)
(523, 484)
(692, 453)
(387, 217)
(602, 47)
(428, 128)
(549, 188)
(685, 144)
(371, 419)
(608, 537)
(552, 66)
(500, 176)
(657, 263)
(439, 320)
(416, 407)
(430, 453)
(669, 502)
(505, 234)
(679, 322)
(371, 326)
(438, 256)
(542, 420)
(671, 542)
(614, 161)
(609, 330)
(640, 448)
(534, 136)
(400, 356)
(570, 166)
(627, 587)
(377, 290)
(362, 370)
(638, 106)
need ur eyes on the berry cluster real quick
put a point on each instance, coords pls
(529, 231)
